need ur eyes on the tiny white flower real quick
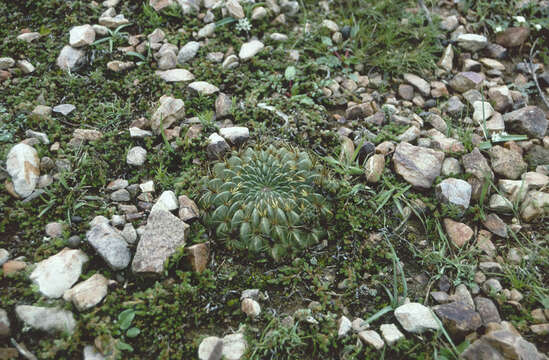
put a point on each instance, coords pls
(499, 29)
(520, 19)
(537, 26)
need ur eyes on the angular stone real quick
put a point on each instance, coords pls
(175, 75)
(420, 84)
(416, 318)
(458, 318)
(169, 111)
(23, 165)
(6, 63)
(235, 9)
(234, 346)
(536, 204)
(530, 120)
(188, 210)
(81, 36)
(513, 36)
(455, 192)
(136, 156)
(91, 353)
(203, 88)
(199, 256)
(88, 293)
(458, 233)
(507, 163)
(391, 333)
(70, 59)
(250, 307)
(110, 245)
(495, 225)
(52, 320)
(4, 324)
(167, 201)
(164, 234)
(250, 49)
(236, 135)
(211, 348)
(477, 165)
(188, 52)
(472, 42)
(482, 111)
(206, 31)
(465, 81)
(343, 326)
(418, 166)
(217, 146)
(371, 337)
(487, 310)
(59, 272)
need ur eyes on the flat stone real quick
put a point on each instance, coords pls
(188, 210)
(110, 245)
(455, 192)
(203, 87)
(88, 293)
(476, 164)
(164, 234)
(169, 111)
(391, 333)
(530, 120)
(501, 98)
(188, 52)
(23, 165)
(29, 37)
(472, 42)
(418, 166)
(535, 204)
(446, 61)
(236, 135)
(59, 272)
(211, 348)
(507, 163)
(175, 75)
(199, 256)
(482, 111)
(82, 35)
(166, 201)
(459, 233)
(4, 324)
(487, 310)
(48, 319)
(465, 81)
(136, 156)
(513, 36)
(496, 226)
(217, 146)
(70, 59)
(206, 31)
(25, 66)
(235, 9)
(343, 326)
(416, 318)
(6, 63)
(121, 195)
(420, 84)
(250, 49)
(458, 318)
(372, 338)
(234, 346)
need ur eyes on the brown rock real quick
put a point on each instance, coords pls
(8, 353)
(188, 210)
(417, 165)
(507, 163)
(199, 256)
(458, 233)
(13, 266)
(359, 111)
(374, 168)
(513, 36)
(495, 225)
(458, 318)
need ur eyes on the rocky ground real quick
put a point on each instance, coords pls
(274, 180)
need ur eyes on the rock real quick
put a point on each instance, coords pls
(113, 22)
(88, 293)
(117, 184)
(456, 192)
(462, 294)
(487, 310)
(359, 325)
(4, 256)
(536, 204)
(374, 168)
(451, 166)
(48, 319)
(416, 318)
(188, 210)
(497, 226)
(530, 120)
(418, 166)
(476, 164)
(236, 135)
(110, 245)
(492, 286)
(4, 324)
(458, 318)
(420, 84)
(25, 66)
(203, 88)
(119, 66)
(121, 195)
(465, 81)
(169, 111)
(458, 233)
(83, 35)
(175, 75)
(206, 31)
(259, 13)
(223, 106)
(250, 307)
(472, 42)
(211, 348)
(535, 180)
(482, 111)
(507, 163)
(447, 59)
(230, 62)
(513, 36)
(29, 37)
(370, 337)
(234, 346)
(188, 52)
(38, 135)
(23, 165)
(391, 333)
(199, 256)
(540, 329)
(13, 266)
(91, 353)
(250, 49)
(136, 156)
(79, 136)
(502, 343)
(70, 59)
(217, 146)
(167, 60)
(167, 201)
(164, 234)
(343, 326)
(359, 111)
(437, 122)
(406, 91)
(59, 272)
(235, 9)
(6, 63)
(73, 242)
(454, 106)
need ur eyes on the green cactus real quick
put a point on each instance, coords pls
(266, 200)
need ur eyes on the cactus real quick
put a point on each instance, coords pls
(266, 201)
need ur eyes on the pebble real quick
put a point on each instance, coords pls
(136, 156)
(250, 49)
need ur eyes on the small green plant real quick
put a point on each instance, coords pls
(113, 37)
(263, 200)
(125, 319)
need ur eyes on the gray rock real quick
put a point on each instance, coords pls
(217, 146)
(496, 226)
(23, 165)
(6, 63)
(38, 135)
(206, 31)
(391, 333)
(203, 88)
(507, 163)
(250, 49)
(418, 166)
(451, 166)
(250, 307)
(223, 106)
(458, 318)
(169, 111)
(175, 75)
(372, 338)
(374, 168)
(110, 245)
(487, 310)
(530, 120)
(163, 236)
(120, 195)
(420, 84)
(472, 42)
(236, 135)
(492, 286)
(455, 192)
(25, 66)
(462, 294)
(82, 35)
(454, 106)
(211, 348)
(459, 233)
(482, 111)
(536, 204)
(188, 210)
(59, 272)
(129, 233)
(344, 326)
(476, 164)
(465, 81)
(416, 318)
(136, 156)
(4, 324)
(4, 256)
(91, 353)
(88, 293)
(70, 59)
(235, 9)
(48, 319)
(188, 52)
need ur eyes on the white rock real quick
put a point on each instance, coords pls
(91, 353)
(38, 135)
(25, 66)
(259, 13)
(234, 346)
(4, 256)
(235, 9)
(136, 132)
(167, 201)
(188, 52)
(147, 186)
(70, 58)
(230, 62)
(28, 37)
(371, 337)
(89, 293)
(6, 63)
(110, 245)
(481, 114)
(211, 348)
(206, 31)
(136, 156)
(169, 111)
(100, 30)
(82, 35)
(391, 333)
(250, 307)
(175, 75)
(235, 134)
(416, 318)
(472, 42)
(64, 109)
(23, 165)
(113, 21)
(279, 37)
(203, 87)
(250, 49)
(52, 320)
(455, 192)
(344, 326)
(330, 25)
(129, 233)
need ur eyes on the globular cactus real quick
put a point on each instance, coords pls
(266, 200)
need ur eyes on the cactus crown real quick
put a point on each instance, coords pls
(265, 200)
